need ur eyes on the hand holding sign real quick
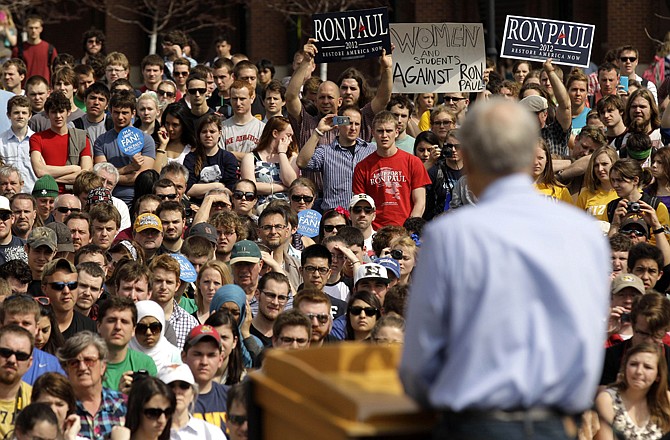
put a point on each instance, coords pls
(130, 141)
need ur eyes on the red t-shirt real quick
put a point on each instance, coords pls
(54, 149)
(37, 59)
(390, 181)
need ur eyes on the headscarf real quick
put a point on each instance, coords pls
(233, 293)
(163, 353)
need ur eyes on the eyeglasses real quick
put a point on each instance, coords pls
(451, 146)
(331, 228)
(312, 269)
(634, 232)
(65, 209)
(360, 209)
(321, 317)
(60, 285)
(273, 296)
(167, 196)
(297, 198)
(196, 91)
(228, 233)
(154, 327)
(248, 196)
(453, 99)
(180, 384)
(5, 215)
(88, 361)
(237, 420)
(180, 74)
(165, 93)
(443, 123)
(289, 341)
(20, 355)
(155, 413)
(369, 311)
(630, 59)
(268, 228)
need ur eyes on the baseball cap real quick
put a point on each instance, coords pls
(390, 264)
(534, 103)
(175, 372)
(629, 223)
(4, 204)
(99, 195)
(369, 271)
(361, 198)
(627, 280)
(204, 230)
(245, 251)
(202, 331)
(147, 221)
(45, 186)
(63, 236)
(43, 236)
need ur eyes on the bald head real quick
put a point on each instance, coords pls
(65, 201)
(328, 98)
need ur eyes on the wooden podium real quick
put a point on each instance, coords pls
(341, 391)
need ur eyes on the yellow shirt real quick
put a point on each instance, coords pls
(555, 192)
(9, 409)
(424, 122)
(595, 203)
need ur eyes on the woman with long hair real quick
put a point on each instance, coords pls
(363, 312)
(404, 250)
(244, 198)
(211, 276)
(175, 137)
(56, 390)
(597, 191)
(151, 405)
(637, 405)
(427, 148)
(48, 337)
(272, 164)
(660, 170)
(545, 179)
(209, 167)
(149, 337)
(520, 69)
(419, 119)
(232, 369)
(332, 221)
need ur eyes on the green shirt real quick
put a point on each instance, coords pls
(188, 304)
(134, 361)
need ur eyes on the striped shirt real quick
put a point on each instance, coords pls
(337, 164)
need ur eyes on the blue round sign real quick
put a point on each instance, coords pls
(187, 272)
(130, 141)
(308, 223)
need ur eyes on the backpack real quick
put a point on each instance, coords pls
(656, 71)
(76, 144)
(50, 53)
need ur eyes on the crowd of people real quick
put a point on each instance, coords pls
(153, 242)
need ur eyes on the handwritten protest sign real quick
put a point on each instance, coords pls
(351, 35)
(308, 222)
(130, 141)
(438, 57)
(536, 39)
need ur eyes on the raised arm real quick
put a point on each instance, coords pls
(293, 104)
(563, 112)
(385, 82)
(325, 125)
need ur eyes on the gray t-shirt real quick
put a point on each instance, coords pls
(242, 138)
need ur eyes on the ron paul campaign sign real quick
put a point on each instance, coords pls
(351, 35)
(438, 57)
(536, 39)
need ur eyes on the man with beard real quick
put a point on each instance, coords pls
(59, 284)
(316, 306)
(229, 230)
(16, 356)
(363, 213)
(11, 248)
(171, 215)
(274, 231)
(148, 233)
(642, 116)
(25, 212)
(274, 291)
(64, 205)
(11, 182)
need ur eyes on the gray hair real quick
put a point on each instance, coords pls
(149, 96)
(79, 342)
(106, 166)
(499, 137)
(8, 170)
(174, 167)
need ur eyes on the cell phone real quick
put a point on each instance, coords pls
(625, 317)
(624, 82)
(341, 120)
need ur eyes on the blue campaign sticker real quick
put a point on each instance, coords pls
(308, 223)
(187, 272)
(131, 141)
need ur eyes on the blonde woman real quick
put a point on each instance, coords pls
(212, 275)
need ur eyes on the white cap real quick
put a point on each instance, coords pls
(4, 204)
(369, 271)
(362, 198)
(175, 372)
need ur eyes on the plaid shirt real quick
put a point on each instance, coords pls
(557, 138)
(182, 323)
(112, 412)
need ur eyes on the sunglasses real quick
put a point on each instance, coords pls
(154, 327)
(65, 209)
(237, 420)
(5, 215)
(165, 93)
(360, 209)
(331, 228)
(631, 59)
(180, 74)
(307, 199)
(60, 285)
(443, 123)
(321, 317)
(20, 355)
(180, 384)
(451, 98)
(220, 205)
(199, 90)
(248, 196)
(155, 413)
(167, 196)
(93, 41)
(634, 232)
(369, 311)
(88, 361)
